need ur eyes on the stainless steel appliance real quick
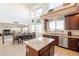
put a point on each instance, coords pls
(63, 41)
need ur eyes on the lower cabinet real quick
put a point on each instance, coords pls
(78, 45)
(46, 53)
(52, 49)
(56, 42)
(72, 44)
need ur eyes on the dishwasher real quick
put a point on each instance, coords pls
(63, 41)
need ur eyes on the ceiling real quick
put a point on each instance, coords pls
(30, 4)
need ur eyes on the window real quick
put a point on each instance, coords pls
(56, 25)
(32, 28)
(54, 5)
(60, 25)
(36, 15)
(39, 11)
(33, 14)
(38, 28)
(51, 26)
(25, 29)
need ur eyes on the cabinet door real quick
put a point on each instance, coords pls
(46, 53)
(52, 49)
(72, 44)
(76, 22)
(72, 22)
(67, 23)
(56, 40)
(45, 24)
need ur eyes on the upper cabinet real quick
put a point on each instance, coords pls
(72, 22)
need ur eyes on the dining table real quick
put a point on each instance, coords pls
(25, 36)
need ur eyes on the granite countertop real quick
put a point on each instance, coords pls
(55, 34)
(73, 36)
(62, 34)
(39, 43)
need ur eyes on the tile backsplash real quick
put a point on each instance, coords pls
(74, 32)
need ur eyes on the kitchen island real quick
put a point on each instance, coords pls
(40, 47)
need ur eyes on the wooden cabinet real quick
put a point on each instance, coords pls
(72, 44)
(46, 53)
(47, 36)
(30, 51)
(45, 24)
(78, 45)
(52, 48)
(72, 22)
(56, 42)
(67, 24)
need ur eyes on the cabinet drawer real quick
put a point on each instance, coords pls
(46, 53)
(43, 50)
(72, 44)
(47, 36)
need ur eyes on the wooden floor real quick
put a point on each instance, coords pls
(9, 49)
(64, 52)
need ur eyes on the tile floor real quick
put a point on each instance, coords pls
(10, 49)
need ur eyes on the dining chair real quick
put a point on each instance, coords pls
(15, 38)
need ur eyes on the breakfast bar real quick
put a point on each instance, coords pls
(40, 47)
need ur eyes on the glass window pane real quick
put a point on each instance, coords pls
(51, 26)
(39, 11)
(38, 28)
(33, 14)
(60, 25)
(54, 5)
(32, 28)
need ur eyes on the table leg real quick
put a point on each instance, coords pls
(3, 39)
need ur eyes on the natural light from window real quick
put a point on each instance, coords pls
(51, 26)
(60, 25)
(39, 11)
(56, 26)
(54, 5)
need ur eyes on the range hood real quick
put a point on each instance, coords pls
(61, 11)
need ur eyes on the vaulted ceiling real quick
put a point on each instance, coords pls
(30, 4)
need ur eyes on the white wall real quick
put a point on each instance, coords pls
(74, 32)
(13, 13)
